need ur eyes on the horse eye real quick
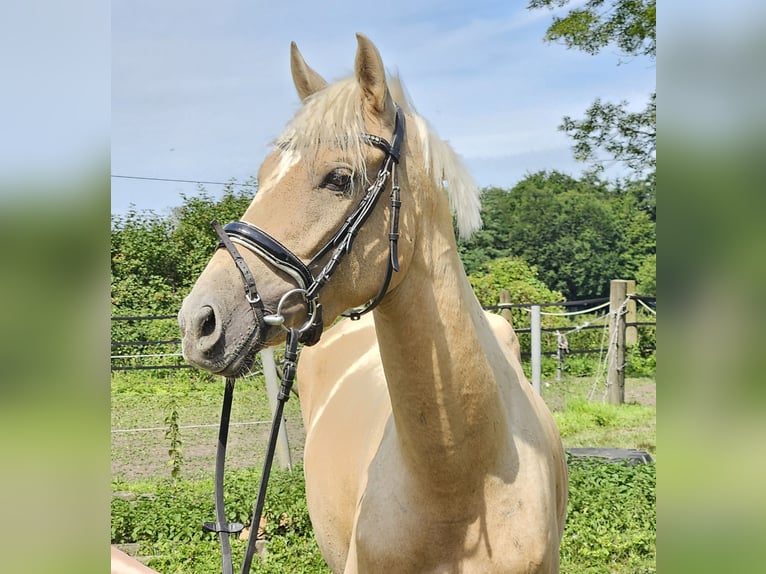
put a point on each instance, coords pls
(338, 180)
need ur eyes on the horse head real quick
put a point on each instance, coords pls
(315, 240)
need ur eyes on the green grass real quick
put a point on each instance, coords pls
(587, 423)
(592, 422)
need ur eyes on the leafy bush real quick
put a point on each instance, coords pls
(514, 275)
(523, 285)
(155, 260)
(166, 518)
(611, 518)
(611, 521)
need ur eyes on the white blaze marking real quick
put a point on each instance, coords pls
(287, 159)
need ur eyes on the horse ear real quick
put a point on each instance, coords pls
(371, 75)
(306, 80)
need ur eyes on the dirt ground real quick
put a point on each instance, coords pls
(640, 391)
(643, 393)
(143, 454)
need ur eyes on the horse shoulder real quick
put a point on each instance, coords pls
(323, 365)
(345, 408)
(535, 428)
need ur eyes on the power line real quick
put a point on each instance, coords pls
(183, 180)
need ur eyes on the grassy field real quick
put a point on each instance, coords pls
(612, 509)
(585, 420)
(141, 406)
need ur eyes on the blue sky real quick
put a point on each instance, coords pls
(201, 89)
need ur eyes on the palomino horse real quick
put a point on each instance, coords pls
(426, 449)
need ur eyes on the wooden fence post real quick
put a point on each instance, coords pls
(505, 299)
(631, 332)
(615, 375)
(272, 390)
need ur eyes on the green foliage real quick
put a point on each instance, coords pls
(524, 286)
(646, 276)
(641, 358)
(491, 241)
(156, 259)
(516, 277)
(611, 521)
(608, 128)
(623, 136)
(611, 518)
(166, 518)
(145, 262)
(192, 227)
(578, 234)
(630, 25)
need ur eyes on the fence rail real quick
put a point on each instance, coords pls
(583, 303)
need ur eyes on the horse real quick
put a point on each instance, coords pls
(427, 449)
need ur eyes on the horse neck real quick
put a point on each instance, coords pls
(438, 352)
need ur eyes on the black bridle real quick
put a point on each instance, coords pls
(309, 285)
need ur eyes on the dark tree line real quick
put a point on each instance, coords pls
(578, 233)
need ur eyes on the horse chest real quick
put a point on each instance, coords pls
(492, 530)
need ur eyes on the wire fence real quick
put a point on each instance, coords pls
(165, 352)
(140, 425)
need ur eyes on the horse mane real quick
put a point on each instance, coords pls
(334, 114)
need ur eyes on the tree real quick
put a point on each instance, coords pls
(626, 137)
(491, 241)
(646, 276)
(610, 129)
(578, 233)
(630, 25)
(156, 259)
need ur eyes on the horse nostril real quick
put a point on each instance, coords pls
(205, 322)
(208, 324)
